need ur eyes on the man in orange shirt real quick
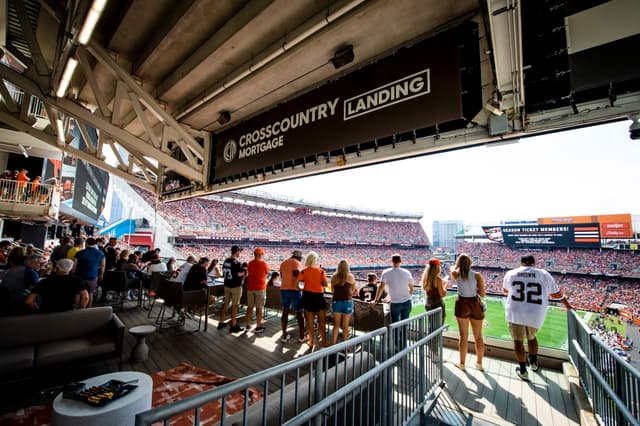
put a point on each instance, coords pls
(22, 183)
(257, 271)
(291, 294)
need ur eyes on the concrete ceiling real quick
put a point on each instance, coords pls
(158, 73)
(186, 57)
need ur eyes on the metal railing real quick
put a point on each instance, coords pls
(385, 377)
(26, 192)
(36, 106)
(611, 384)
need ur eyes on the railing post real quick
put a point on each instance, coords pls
(422, 331)
(389, 374)
(619, 387)
(441, 345)
(571, 334)
(317, 387)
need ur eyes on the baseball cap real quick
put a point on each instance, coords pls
(434, 261)
(296, 253)
(258, 251)
(235, 249)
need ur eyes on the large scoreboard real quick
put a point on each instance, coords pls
(562, 231)
(585, 235)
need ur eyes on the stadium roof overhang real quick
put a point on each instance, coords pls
(265, 198)
(163, 83)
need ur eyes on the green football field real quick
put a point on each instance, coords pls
(553, 333)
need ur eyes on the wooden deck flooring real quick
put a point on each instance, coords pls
(496, 396)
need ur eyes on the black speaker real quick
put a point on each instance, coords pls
(343, 57)
(225, 117)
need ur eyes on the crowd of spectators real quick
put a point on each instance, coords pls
(591, 278)
(365, 256)
(209, 218)
(611, 337)
(621, 263)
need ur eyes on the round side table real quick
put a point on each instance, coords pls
(122, 411)
(140, 351)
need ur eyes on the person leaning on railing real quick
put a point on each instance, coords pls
(528, 290)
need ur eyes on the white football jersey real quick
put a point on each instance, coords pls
(529, 290)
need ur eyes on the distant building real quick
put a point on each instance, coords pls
(444, 234)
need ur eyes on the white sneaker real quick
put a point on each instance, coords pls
(533, 364)
(285, 338)
(524, 376)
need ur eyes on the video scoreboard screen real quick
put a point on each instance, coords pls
(91, 187)
(585, 235)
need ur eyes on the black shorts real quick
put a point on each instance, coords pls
(437, 305)
(313, 302)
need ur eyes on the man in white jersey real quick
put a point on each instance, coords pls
(399, 284)
(528, 290)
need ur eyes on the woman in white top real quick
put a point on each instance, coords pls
(156, 265)
(469, 308)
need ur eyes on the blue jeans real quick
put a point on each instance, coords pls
(400, 311)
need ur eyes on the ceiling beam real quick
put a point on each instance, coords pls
(129, 142)
(101, 55)
(240, 20)
(51, 140)
(178, 11)
(30, 36)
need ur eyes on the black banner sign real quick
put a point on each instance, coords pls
(521, 236)
(90, 190)
(417, 87)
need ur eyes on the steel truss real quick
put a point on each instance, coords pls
(144, 140)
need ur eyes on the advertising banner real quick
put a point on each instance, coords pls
(579, 236)
(611, 225)
(494, 233)
(416, 87)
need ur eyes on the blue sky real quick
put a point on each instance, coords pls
(587, 171)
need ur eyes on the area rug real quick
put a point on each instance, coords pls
(170, 385)
(186, 380)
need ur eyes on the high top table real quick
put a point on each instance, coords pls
(122, 411)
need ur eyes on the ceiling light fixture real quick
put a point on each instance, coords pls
(69, 69)
(91, 21)
(24, 150)
(60, 129)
